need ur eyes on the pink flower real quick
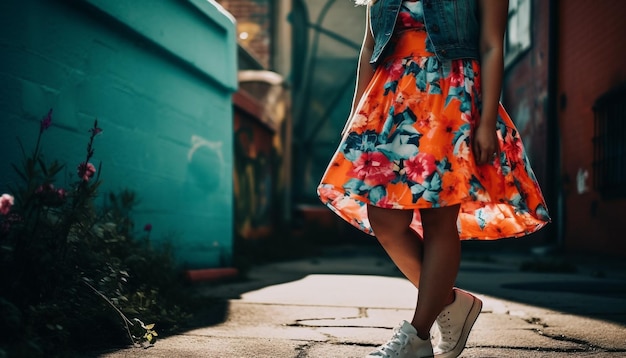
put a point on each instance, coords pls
(44, 188)
(420, 167)
(147, 228)
(86, 171)
(6, 202)
(374, 168)
(96, 131)
(49, 196)
(46, 121)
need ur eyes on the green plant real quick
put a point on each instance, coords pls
(72, 272)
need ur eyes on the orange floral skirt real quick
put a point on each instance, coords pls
(408, 146)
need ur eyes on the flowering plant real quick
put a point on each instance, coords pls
(65, 263)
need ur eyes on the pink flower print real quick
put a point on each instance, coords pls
(456, 74)
(327, 193)
(477, 83)
(6, 202)
(463, 154)
(497, 163)
(420, 167)
(349, 207)
(359, 123)
(405, 19)
(514, 149)
(467, 117)
(400, 98)
(374, 168)
(86, 171)
(395, 70)
(386, 203)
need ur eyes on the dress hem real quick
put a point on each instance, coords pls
(530, 229)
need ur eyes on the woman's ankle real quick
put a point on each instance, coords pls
(451, 298)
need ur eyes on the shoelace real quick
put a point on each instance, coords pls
(444, 329)
(393, 345)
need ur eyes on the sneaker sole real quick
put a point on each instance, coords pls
(477, 306)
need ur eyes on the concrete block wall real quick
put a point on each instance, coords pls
(158, 76)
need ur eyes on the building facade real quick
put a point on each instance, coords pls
(262, 121)
(592, 123)
(564, 85)
(526, 94)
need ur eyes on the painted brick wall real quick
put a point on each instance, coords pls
(254, 20)
(592, 53)
(159, 78)
(525, 96)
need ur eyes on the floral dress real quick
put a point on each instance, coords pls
(408, 146)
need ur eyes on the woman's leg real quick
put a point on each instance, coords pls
(402, 244)
(440, 265)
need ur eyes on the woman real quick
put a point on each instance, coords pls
(429, 156)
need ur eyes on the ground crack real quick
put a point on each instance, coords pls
(303, 350)
(587, 346)
(361, 314)
(562, 338)
(534, 349)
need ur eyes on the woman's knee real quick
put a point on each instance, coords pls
(440, 219)
(389, 222)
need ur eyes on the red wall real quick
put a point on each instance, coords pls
(591, 62)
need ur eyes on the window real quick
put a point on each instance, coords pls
(610, 144)
(517, 39)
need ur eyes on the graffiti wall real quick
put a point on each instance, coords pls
(259, 169)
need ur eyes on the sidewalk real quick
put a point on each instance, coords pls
(345, 303)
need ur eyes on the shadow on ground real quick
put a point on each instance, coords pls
(586, 286)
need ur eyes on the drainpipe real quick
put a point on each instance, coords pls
(554, 193)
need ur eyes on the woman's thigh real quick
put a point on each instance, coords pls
(388, 221)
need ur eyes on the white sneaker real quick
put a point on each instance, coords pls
(404, 344)
(455, 322)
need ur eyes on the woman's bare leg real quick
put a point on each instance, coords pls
(406, 249)
(440, 265)
(402, 244)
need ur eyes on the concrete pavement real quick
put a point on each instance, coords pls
(345, 303)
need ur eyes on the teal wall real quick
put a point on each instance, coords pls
(158, 75)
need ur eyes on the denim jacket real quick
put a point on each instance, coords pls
(452, 27)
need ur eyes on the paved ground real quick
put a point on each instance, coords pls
(345, 302)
